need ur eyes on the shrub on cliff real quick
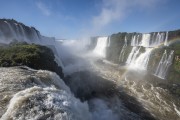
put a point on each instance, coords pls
(31, 55)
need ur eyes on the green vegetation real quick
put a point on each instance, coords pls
(31, 55)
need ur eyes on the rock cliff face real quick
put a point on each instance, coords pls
(156, 52)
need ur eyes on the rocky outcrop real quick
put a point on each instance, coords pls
(31, 55)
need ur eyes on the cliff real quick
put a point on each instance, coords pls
(158, 53)
(11, 30)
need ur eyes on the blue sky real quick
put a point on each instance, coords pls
(72, 19)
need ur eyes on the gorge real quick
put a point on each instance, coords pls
(124, 76)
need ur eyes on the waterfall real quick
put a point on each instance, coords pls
(145, 40)
(134, 40)
(132, 56)
(23, 33)
(11, 30)
(35, 35)
(121, 56)
(100, 48)
(166, 39)
(19, 36)
(164, 64)
(142, 61)
(109, 41)
(159, 39)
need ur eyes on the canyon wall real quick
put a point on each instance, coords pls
(156, 52)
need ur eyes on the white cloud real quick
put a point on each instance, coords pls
(117, 10)
(43, 8)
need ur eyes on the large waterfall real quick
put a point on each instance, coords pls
(100, 49)
(145, 40)
(164, 64)
(133, 55)
(135, 40)
(138, 59)
(142, 61)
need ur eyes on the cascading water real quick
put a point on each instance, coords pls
(11, 30)
(109, 41)
(134, 49)
(145, 40)
(121, 56)
(142, 61)
(133, 55)
(166, 39)
(135, 40)
(164, 64)
(158, 39)
(100, 49)
(35, 35)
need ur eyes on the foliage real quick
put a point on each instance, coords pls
(31, 55)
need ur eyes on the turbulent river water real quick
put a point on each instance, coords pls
(101, 91)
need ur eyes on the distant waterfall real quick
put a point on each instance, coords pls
(158, 39)
(142, 61)
(164, 64)
(133, 55)
(166, 39)
(135, 40)
(100, 48)
(11, 30)
(35, 35)
(23, 33)
(145, 40)
(109, 41)
(121, 56)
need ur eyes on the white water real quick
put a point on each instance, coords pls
(141, 62)
(100, 49)
(109, 41)
(135, 40)
(134, 49)
(158, 39)
(166, 40)
(164, 64)
(121, 56)
(145, 40)
(39, 95)
(133, 55)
